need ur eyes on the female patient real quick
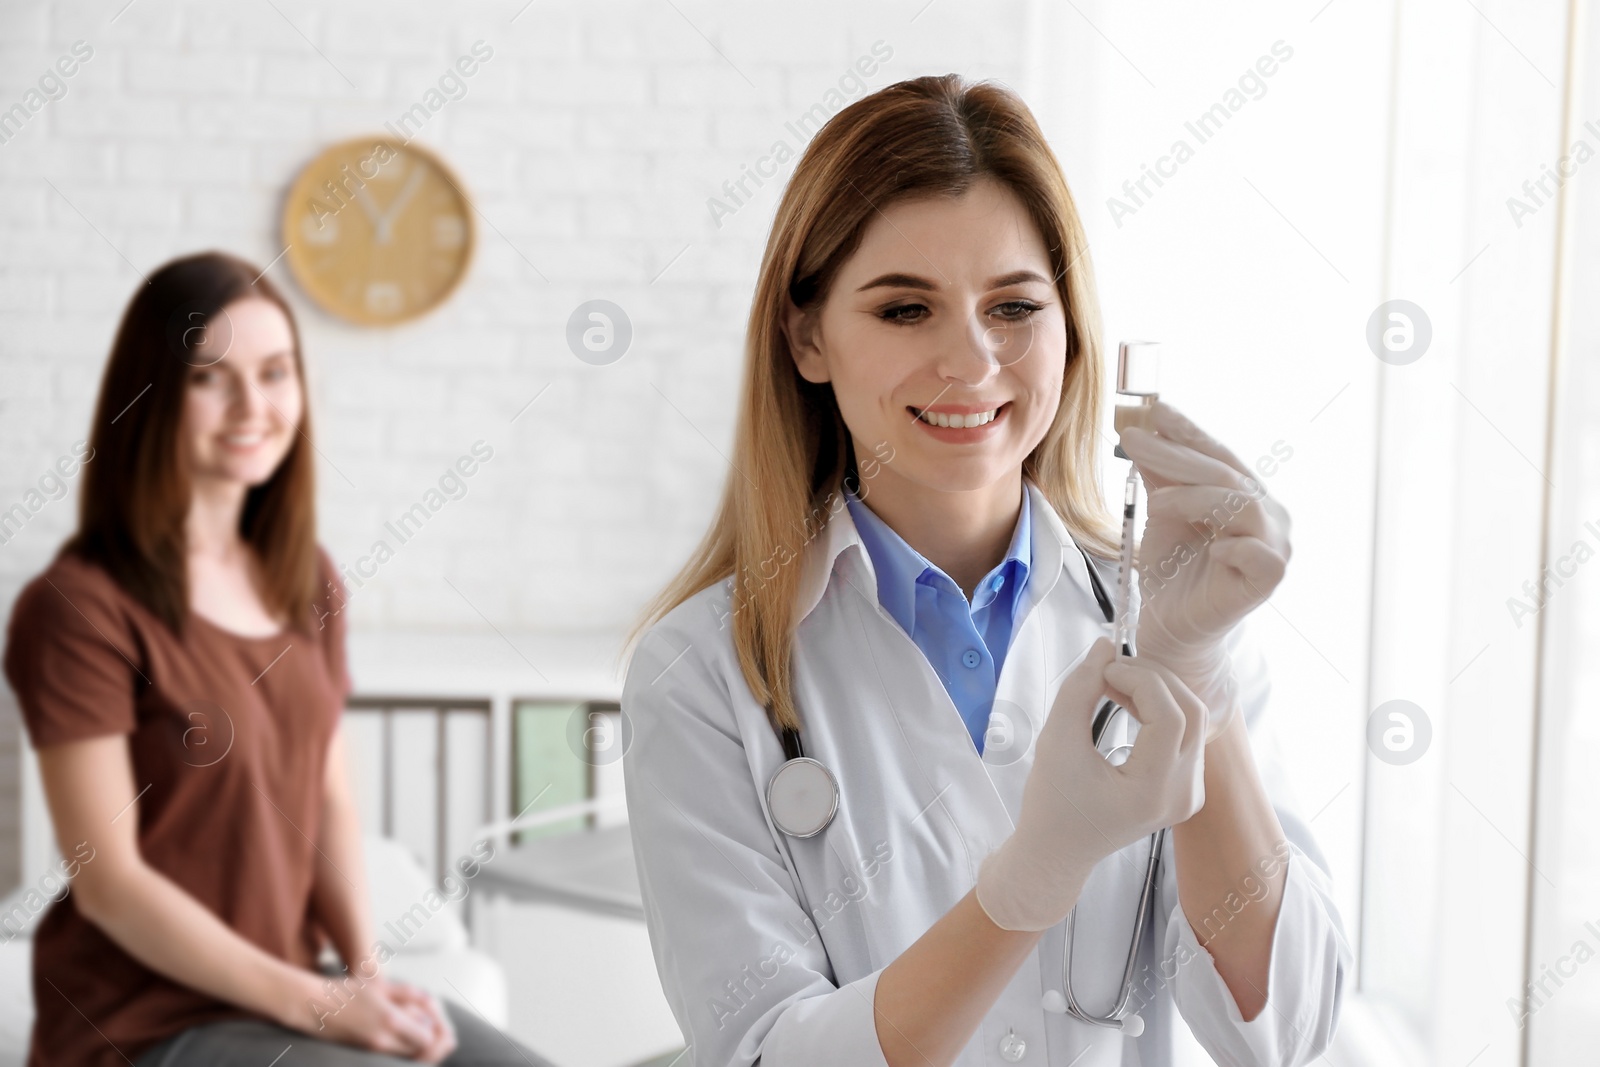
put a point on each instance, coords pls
(183, 691)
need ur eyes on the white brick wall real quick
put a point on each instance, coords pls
(589, 141)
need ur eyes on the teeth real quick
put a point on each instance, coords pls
(243, 440)
(959, 422)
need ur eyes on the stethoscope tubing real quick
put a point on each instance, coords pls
(794, 751)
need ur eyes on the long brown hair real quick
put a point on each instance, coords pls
(135, 495)
(926, 136)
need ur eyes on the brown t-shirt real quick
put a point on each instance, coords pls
(228, 737)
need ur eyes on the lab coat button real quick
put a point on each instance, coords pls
(970, 658)
(1012, 1047)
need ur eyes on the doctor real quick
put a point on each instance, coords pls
(895, 572)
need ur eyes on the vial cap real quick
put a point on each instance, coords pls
(1139, 368)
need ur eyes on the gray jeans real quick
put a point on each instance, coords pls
(257, 1043)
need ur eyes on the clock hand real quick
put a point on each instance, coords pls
(367, 206)
(399, 203)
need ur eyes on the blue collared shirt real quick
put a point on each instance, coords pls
(966, 643)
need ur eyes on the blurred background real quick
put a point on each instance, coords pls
(1375, 259)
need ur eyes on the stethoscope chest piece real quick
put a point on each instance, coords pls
(802, 795)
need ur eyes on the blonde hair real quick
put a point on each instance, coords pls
(921, 137)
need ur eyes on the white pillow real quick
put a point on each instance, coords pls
(16, 1000)
(409, 913)
(20, 911)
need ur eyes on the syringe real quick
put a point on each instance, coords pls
(1122, 632)
(1138, 371)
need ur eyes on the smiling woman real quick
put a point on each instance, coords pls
(937, 649)
(182, 610)
(203, 391)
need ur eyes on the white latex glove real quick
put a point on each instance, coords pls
(1077, 808)
(1215, 546)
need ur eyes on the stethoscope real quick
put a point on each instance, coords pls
(1062, 1001)
(803, 797)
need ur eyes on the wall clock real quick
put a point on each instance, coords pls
(378, 231)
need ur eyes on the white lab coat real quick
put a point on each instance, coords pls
(769, 947)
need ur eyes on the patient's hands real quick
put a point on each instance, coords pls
(383, 1016)
(428, 1012)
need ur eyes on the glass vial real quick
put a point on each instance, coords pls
(1138, 384)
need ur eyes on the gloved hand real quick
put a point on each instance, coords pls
(1215, 546)
(1077, 808)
